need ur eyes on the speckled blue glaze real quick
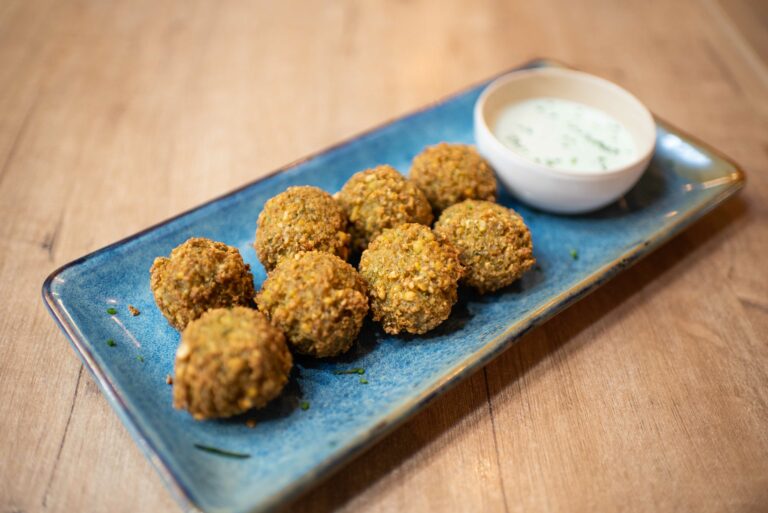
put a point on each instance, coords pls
(292, 448)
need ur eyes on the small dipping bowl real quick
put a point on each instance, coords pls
(560, 190)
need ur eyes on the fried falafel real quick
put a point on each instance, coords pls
(380, 198)
(301, 218)
(452, 173)
(229, 361)
(412, 278)
(318, 300)
(200, 274)
(493, 241)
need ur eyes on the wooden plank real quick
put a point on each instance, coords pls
(750, 18)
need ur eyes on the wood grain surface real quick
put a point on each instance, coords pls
(649, 395)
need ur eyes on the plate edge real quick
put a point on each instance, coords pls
(180, 493)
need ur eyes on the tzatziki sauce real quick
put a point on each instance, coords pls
(563, 134)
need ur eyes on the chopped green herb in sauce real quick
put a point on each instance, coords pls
(356, 370)
(563, 134)
(574, 254)
(222, 452)
(111, 311)
(111, 343)
(304, 405)
(363, 381)
(140, 358)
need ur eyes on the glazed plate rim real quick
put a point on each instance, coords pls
(417, 401)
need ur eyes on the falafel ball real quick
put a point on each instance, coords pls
(318, 300)
(200, 274)
(493, 241)
(301, 218)
(381, 198)
(229, 361)
(452, 173)
(412, 278)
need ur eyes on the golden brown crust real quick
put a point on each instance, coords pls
(452, 173)
(493, 241)
(300, 219)
(229, 361)
(200, 274)
(412, 279)
(318, 300)
(380, 198)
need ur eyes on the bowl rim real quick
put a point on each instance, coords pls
(481, 123)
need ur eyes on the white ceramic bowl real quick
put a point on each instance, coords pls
(558, 190)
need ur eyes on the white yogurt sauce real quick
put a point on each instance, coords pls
(563, 134)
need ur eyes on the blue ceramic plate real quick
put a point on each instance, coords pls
(291, 447)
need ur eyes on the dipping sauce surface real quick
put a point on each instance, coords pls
(563, 134)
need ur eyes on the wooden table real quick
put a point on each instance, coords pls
(651, 394)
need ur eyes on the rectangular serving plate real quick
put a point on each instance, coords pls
(292, 448)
